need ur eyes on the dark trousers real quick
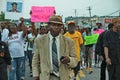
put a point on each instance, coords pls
(3, 72)
(96, 58)
(103, 70)
(30, 55)
(114, 71)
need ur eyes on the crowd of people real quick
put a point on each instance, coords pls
(54, 52)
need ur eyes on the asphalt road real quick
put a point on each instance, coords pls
(85, 75)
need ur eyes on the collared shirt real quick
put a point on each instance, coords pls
(112, 42)
(58, 51)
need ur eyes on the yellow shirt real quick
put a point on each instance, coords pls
(77, 37)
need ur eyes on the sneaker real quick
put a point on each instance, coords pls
(81, 73)
(95, 65)
(22, 78)
(81, 67)
(90, 70)
(87, 69)
(84, 67)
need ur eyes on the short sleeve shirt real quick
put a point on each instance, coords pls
(16, 45)
(112, 42)
(77, 37)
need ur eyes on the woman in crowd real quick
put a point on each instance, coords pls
(15, 44)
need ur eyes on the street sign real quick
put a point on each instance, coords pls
(107, 20)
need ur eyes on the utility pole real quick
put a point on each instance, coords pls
(89, 9)
(119, 14)
(75, 12)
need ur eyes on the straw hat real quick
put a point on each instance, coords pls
(55, 19)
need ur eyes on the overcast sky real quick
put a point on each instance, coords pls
(67, 7)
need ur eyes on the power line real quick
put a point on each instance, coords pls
(113, 12)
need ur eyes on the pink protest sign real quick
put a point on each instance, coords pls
(99, 31)
(41, 14)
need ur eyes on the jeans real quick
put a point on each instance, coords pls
(23, 68)
(16, 68)
(88, 56)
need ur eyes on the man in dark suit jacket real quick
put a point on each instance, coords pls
(43, 66)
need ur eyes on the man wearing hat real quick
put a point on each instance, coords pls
(77, 37)
(54, 54)
(112, 50)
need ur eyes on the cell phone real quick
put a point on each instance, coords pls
(62, 57)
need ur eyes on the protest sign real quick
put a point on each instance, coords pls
(41, 14)
(91, 39)
(14, 9)
(99, 31)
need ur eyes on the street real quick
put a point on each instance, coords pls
(84, 76)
